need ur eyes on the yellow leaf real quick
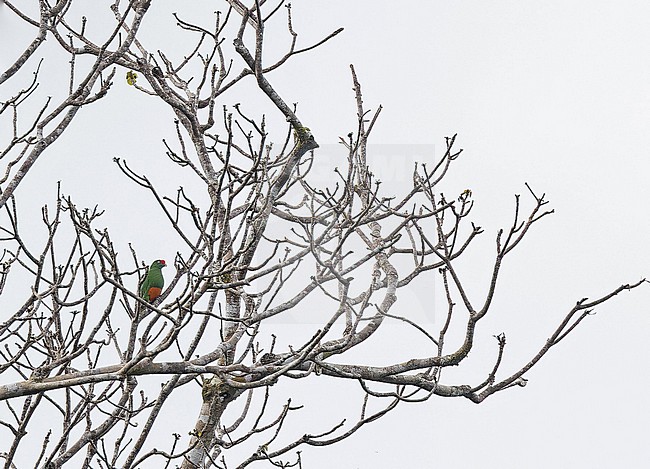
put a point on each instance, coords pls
(131, 77)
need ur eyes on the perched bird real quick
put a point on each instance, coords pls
(152, 285)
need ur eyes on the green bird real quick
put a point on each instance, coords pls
(152, 285)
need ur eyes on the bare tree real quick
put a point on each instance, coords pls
(264, 240)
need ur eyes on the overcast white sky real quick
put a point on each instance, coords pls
(553, 93)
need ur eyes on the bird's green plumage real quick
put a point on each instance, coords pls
(153, 279)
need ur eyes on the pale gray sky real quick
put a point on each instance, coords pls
(554, 93)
